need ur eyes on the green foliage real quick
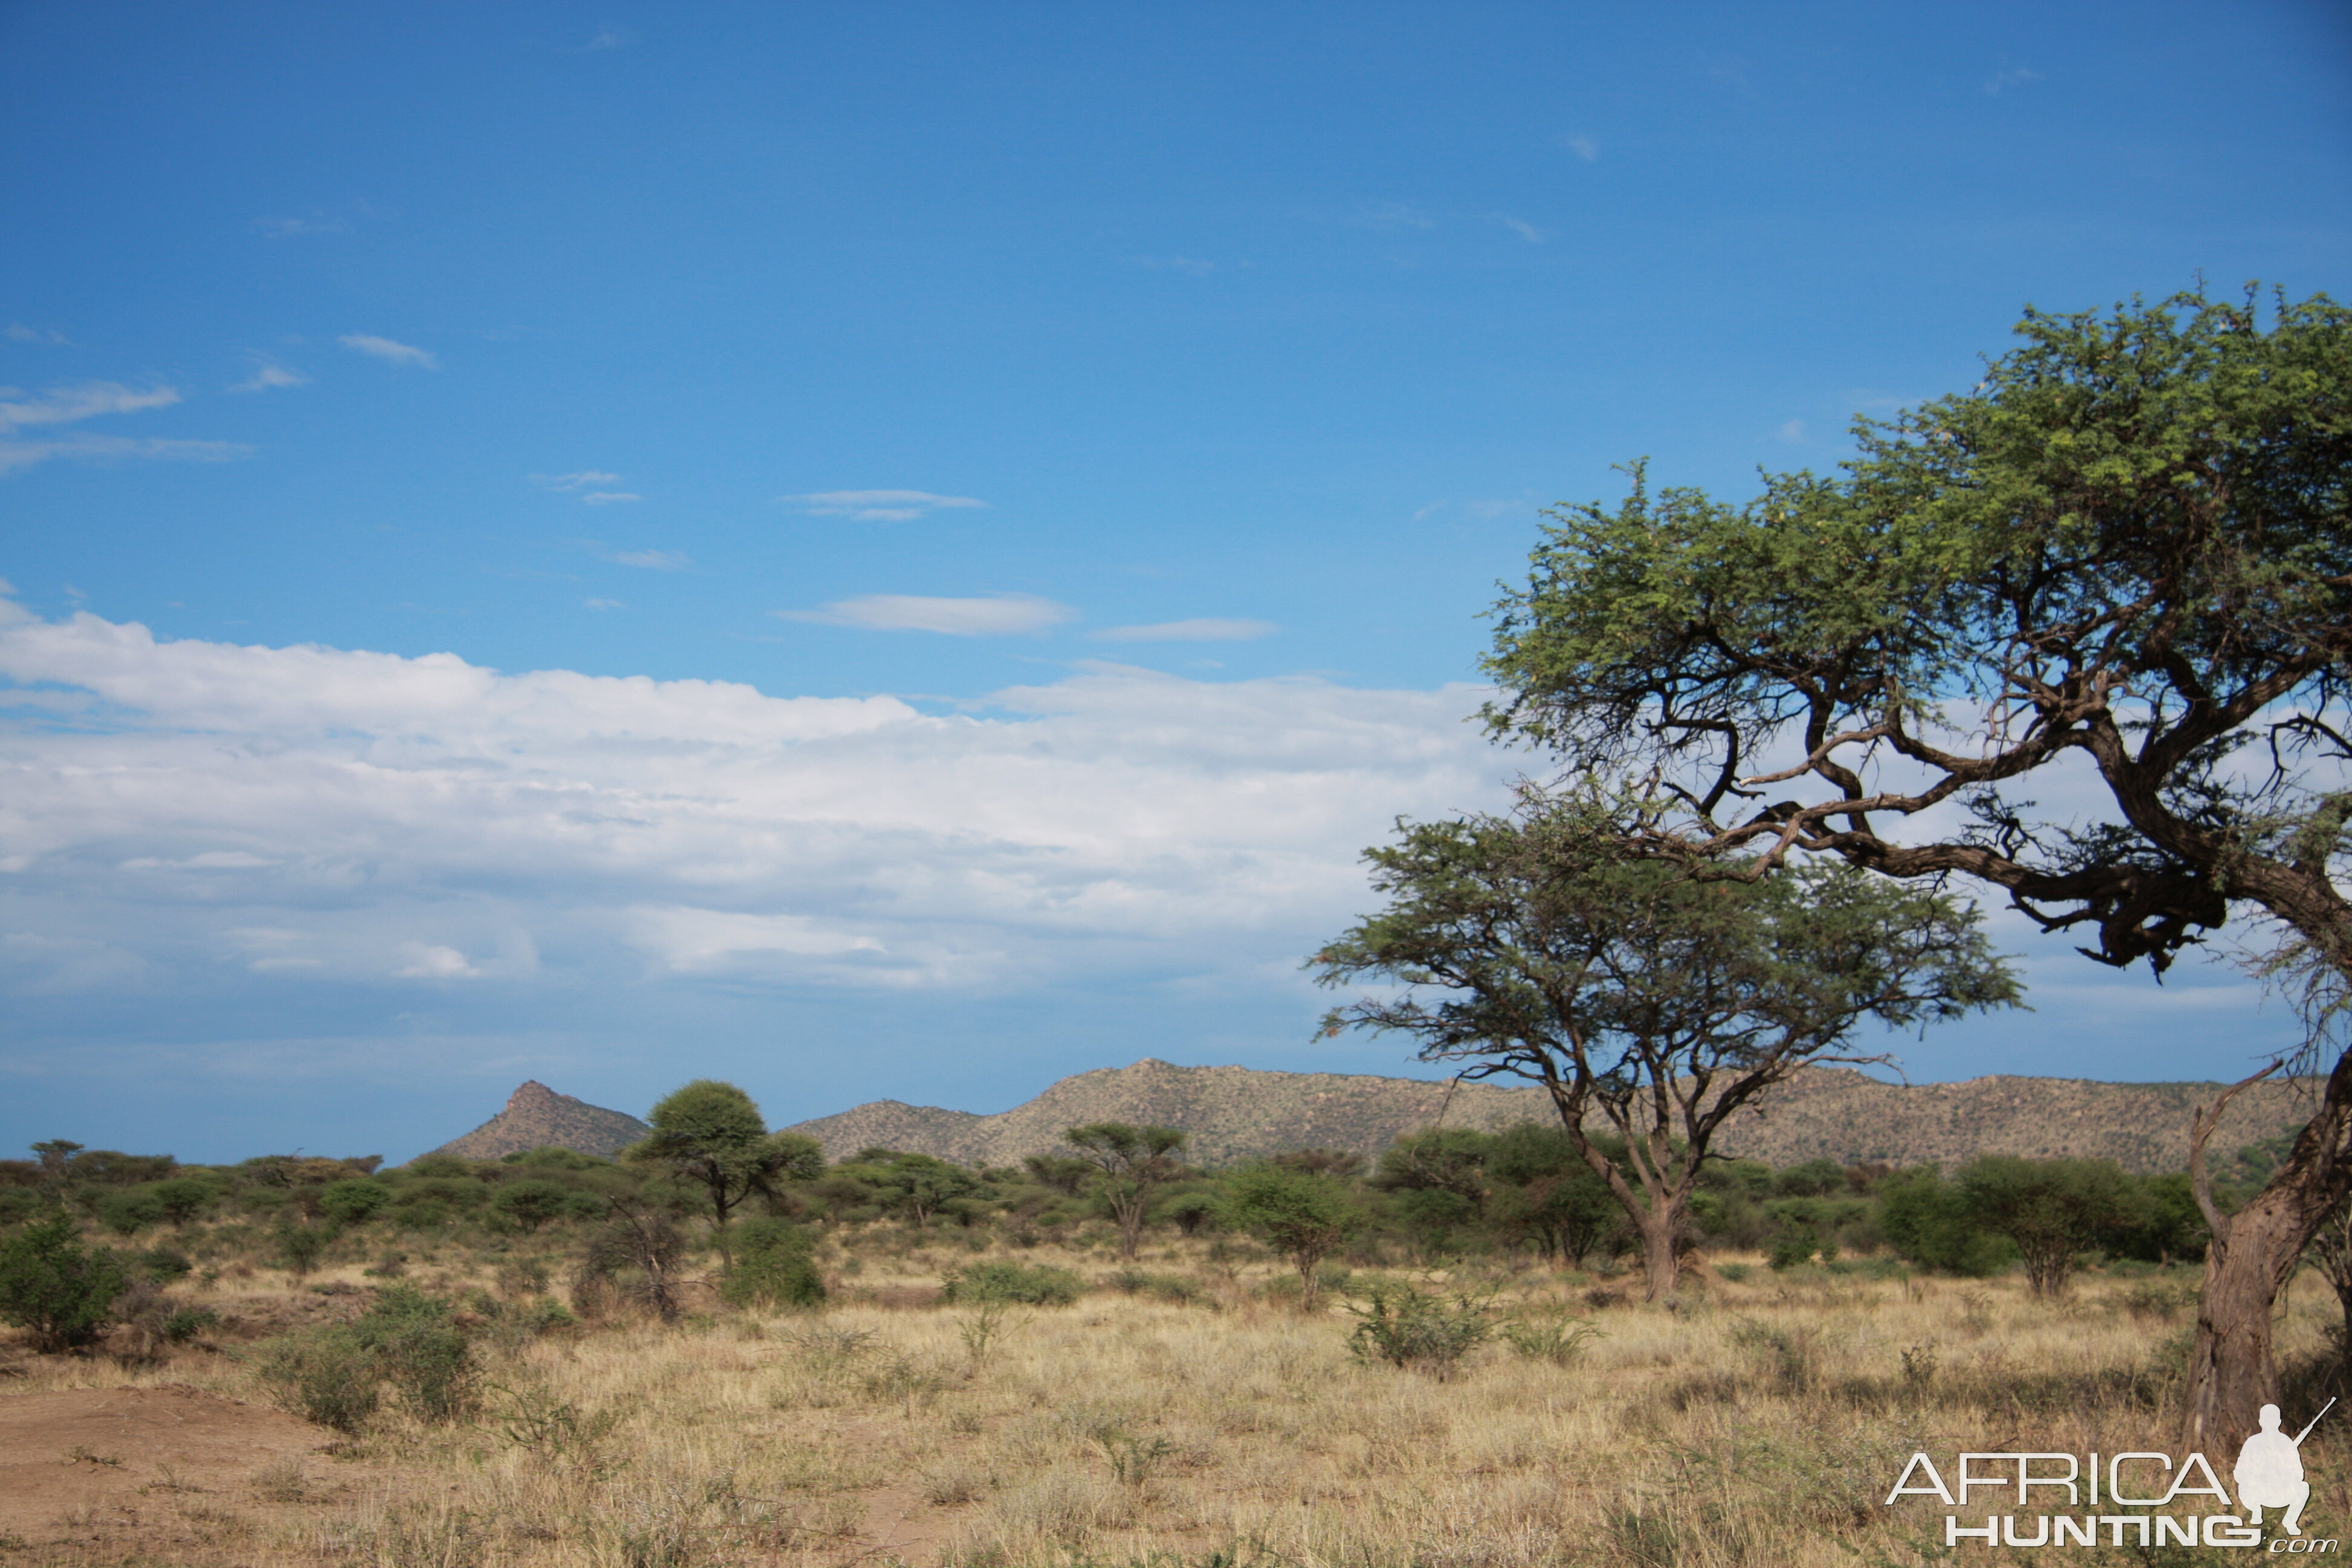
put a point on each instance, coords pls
(355, 1202)
(51, 1286)
(773, 1267)
(130, 1211)
(530, 1205)
(1130, 1162)
(1418, 1330)
(323, 1375)
(184, 1198)
(1034, 1285)
(1558, 1340)
(2052, 1209)
(1299, 1213)
(1933, 1223)
(299, 1248)
(420, 1353)
(710, 1134)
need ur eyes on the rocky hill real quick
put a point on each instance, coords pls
(1235, 1113)
(536, 1117)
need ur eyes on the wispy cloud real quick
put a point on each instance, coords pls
(1203, 628)
(653, 560)
(607, 37)
(1524, 229)
(386, 349)
(268, 374)
(20, 334)
(1192, 265)
(875, 506)
(1585, 148)
(1793, 430)
(600, 605)
(997, 614)
(284, 227)
(88, 400)
(1395, 216)
(65, 404)
(586, 479)
(2001, 81)
(609, 498)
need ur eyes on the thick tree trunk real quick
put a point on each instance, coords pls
(1661, 1268)
(2254, 1251)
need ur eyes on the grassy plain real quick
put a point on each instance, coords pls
(1196, 1420)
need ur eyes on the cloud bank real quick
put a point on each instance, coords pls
(201, 817)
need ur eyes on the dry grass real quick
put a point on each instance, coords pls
(1759, 1423)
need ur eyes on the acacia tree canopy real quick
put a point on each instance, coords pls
(2129, 547)
(711, 1133)
(1532, 945)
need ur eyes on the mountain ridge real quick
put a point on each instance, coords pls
(536, 1117)
(1235, 1113)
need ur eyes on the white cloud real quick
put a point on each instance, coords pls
(2001, 81)
(89, 400)
(1191, 265)
(607, 37)
(386, 349)
(1524, 230)
(1395, 216)
(1791, 430)
(313, 816)
(584, 480)
(20, 334)
(1585, 148)
(65, 404)
(875, 506)
(653, 560)
(434, 962)
(1199, 629)
(286, 226)
(268, 374)
(610, 498)
(601, 605)
(997, 614)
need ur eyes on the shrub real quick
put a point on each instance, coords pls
(324, 1374)
(164, 1264)
(1038, 1285)
(300, 1247)
(1560, 1340)
(50, 1285)
(129, 1212)
(355, 1202)
(1408, 1328)
(183, 1198)
(773, 1267)
(420, 1353)
(530, 1205)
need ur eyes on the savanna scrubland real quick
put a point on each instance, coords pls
(548, 1360)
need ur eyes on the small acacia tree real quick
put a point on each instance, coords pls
(2054, 1209)
(52, 1285)
(1132, 1162)
(1657, 1004)
(711, 1134)
(1302, 1215)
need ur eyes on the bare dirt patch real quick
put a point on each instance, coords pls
(149, 1468)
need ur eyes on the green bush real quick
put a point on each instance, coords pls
(50, 1285)
(355, 1202)
(324, 1374)
(1032, 1285)
(128, 1212)
(164, 1264)
(300, 1246)
(184, 1323)
(183, 1198)
(1409, 1327)
(420, 1353)
(530, 1205)
(773, 1267)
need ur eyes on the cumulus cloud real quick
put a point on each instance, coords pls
(386, 349)
(875, 506)
(312, 815)
(996, 614)
(1199, 630)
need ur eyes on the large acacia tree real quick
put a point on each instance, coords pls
(2121, 566)
(711, 1134)
(1660, 1003)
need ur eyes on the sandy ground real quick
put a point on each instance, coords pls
(150, 1469)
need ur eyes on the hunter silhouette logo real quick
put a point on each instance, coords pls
(2130, 1498)
(2269, 1471)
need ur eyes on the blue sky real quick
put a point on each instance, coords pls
(900, 551)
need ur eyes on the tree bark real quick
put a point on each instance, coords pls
(2231, 1374)
(1661, 1269)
